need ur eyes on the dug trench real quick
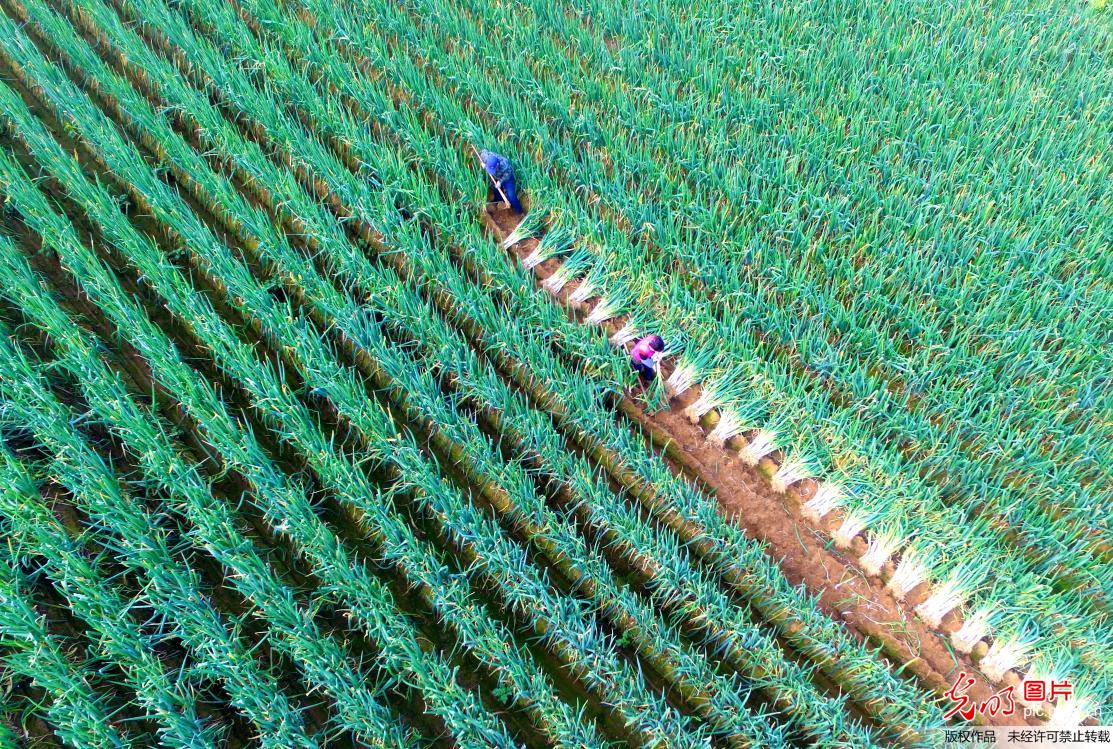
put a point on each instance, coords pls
(803, 551)
(1065, 579)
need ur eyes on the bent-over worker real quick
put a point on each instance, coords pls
(501, 178)
(643, 358)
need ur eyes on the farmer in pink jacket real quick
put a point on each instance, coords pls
(643, 358)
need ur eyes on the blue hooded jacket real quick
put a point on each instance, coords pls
(498, 166)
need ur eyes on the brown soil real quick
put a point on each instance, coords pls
(804, 551)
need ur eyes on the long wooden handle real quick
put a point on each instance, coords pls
(505, 200)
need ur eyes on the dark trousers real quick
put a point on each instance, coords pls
(509, 188)
(645, 371)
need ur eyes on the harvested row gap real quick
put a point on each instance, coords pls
(939, 663)
(1008, 532)
(745, 496)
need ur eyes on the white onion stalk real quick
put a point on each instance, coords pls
(535, 258)
(730, 424)
(854, 523)
(975, 628)
(585, 290)
(523, 231)
(1007, 653)
(555, 283)
(882, 545)
(1071, 712)
(557, 241)
(910, 572)
(528, 227)
(827, 497)
(707, 400)
(540, 254)
(604, 310)
(761, 445)
(790, 473)
(682, 378)
(950, 594)
(625, 334)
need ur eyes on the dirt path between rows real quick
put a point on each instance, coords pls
(804, 551)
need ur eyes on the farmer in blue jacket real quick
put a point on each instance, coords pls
(501, 176)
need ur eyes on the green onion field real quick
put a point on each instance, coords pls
(303, 443)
